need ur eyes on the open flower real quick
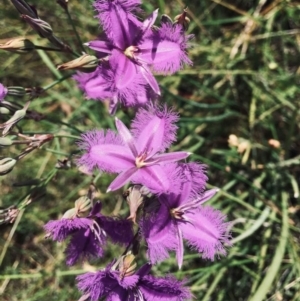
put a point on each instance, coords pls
(119, 282)
(136, 155)
(179, 217)
(88, 234)
(132, 48)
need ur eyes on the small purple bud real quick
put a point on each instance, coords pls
(3, 92)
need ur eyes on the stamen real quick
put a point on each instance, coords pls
(130, 51)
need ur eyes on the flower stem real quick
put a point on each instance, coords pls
(74, 29)
(57, 81)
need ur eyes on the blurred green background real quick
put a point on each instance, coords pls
(239, 107)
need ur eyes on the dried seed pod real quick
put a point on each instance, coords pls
(18, 45)
(85, 63)
(183, 19)
(83, 206)
(7, 165)
(69, 214)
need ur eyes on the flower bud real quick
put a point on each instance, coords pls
(5, 141)
(18, 115)
(183, 19)
(83, 206)
(69, 214)
(24, 8)
(134, 200)
(41, 27)
(4, 111)
(3, 92)
(8, 215)
(18, 45)
(16, 91)
(7, 165)
(126, 265)
(85, 63)
(166, 19)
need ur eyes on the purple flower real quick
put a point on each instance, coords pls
(88, 234)
(115, 284)
(102, 84)
(129, 49)
(136, 155)
(3, 92)
(166, 49)
(179, 217)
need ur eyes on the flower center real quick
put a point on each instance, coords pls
(130, 51)
(176, 213)
(140, 160)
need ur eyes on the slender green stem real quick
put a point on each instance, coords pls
(57, 81)
(74, 28)
(50, 49)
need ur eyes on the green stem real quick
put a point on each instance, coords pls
(74, 28)
(50, 49)
(57, 81)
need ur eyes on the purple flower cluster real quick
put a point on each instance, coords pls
(138, 156)
(129, 51)
(115, 284)
(167, 194)
(88, 234)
